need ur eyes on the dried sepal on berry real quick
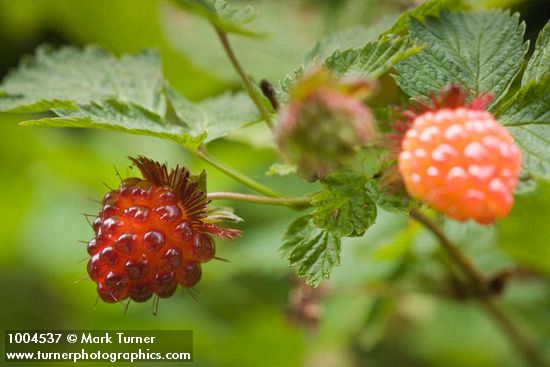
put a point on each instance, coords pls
(152, 234)
(454, 156)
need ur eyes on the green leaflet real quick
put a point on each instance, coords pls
(424, 10)
(482, 52)
(216, 116)
(314, 251)
(119, 116)
(354, 37)
(344, 207)
(539, 64)
(527, 116)
(392, 200)
(370, 61)
(65, 77)
(93, 89)
(530, 105)
(222, 15)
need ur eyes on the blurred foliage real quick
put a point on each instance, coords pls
(391, 303)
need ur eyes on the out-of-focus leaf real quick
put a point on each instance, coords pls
(65, 77)
(292, 29)
(539, 64)
(524, 233)
(527, 116)
(355, 37)
(222, 15)
(314, 251)
(424, 10)
(482, 52)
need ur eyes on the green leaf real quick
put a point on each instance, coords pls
(372, 60)
(90, 88)
(482, 52)
(119, 116)
(524, 233)
(394, 200)
(421, 12)
(344, 207)
(354, 37)
(527, 116)
(65, 77)
(216, 116)
(539, 64)
(314, 251)
(530, 105)
(222, 15)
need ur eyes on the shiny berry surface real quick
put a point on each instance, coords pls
(145, 243)
(462, 163)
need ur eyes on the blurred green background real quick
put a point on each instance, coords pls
(390, 303)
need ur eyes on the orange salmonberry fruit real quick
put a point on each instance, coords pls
(152, 235)
(461, 162)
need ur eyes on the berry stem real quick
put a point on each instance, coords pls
(479, 283)
(252, 92)
(233, 173)
(295, 202)
(476, 278)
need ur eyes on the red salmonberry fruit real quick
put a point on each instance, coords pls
(152, 235)
(461, 162)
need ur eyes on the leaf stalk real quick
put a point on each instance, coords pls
(252, 92)
(294, 202)
(233, 173)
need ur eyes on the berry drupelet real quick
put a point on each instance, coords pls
(458, 159)
(152, 234)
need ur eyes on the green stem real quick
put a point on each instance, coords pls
(281, 201)
(476, 278)
(233, 173)
(254, 95)
(479, 283)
